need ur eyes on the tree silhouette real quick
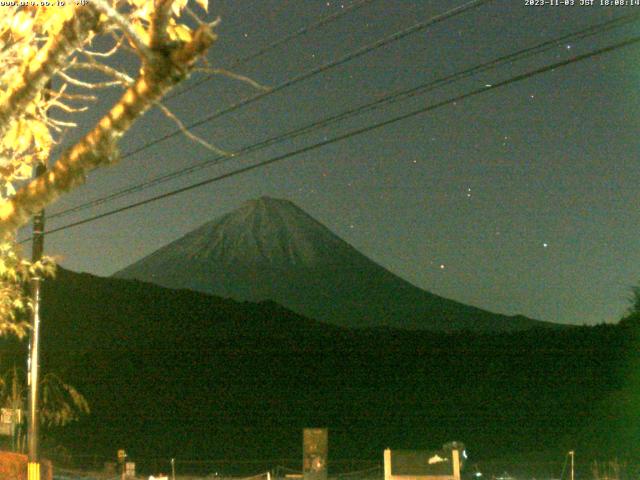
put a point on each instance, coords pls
(632, 317)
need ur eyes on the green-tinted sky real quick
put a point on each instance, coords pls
(520, 200)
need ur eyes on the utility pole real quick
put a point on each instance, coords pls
(37, 246)
(573, 454)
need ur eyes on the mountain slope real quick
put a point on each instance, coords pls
(180, 373)
(271, 249)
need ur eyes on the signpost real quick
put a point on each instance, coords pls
(130, 469)
(315, 446)
(122, 455)
(10, 419)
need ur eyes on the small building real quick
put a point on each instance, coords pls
(422, 464)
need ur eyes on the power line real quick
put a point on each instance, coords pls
(321, 69)
(267, 48)
(394, 97)
(355, 132)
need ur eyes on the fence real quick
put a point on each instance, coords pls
(95, 467)
(100, 468)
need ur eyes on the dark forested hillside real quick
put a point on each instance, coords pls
(181, 373)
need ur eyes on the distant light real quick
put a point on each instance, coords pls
(442, 266)
(545, 245)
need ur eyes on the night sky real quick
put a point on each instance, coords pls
(523, 199)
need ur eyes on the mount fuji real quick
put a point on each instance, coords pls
(270, 249)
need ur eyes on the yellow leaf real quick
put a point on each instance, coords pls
(24, 170)
(9, 138)
(23, 138)
(179, 32)
(141, 3)
(141, 32)
(204, 4)
(177, 6)
(41, 135)
(22, 24)
(144, 11)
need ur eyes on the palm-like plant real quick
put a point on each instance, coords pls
(12, 397)
(60, 402)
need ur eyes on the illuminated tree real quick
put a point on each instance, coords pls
(42, 49)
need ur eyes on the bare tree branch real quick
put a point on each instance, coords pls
(71, 96)
(115, 16)
(99, 146)
(189, 134)
(66, 108)
(233, 75)
(117, 75)
(106, 54)
(159, 23)
(88, 85)
(49, 60)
